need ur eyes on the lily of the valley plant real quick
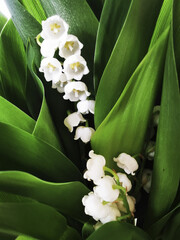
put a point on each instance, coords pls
(90, 120)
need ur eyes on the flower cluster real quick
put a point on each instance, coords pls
(109, 200)
(66, 76)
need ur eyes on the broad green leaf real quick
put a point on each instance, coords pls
(165, 179)
(34, 219)
(155, 229)
(12, 115)
(111, 22)
(25, 238)
(62, 196)
(176, 29)
(82, 23)
(131, 46)
(164, 20)
(26, 25)
(34, 8)
(20, 150)
(172, 230)
(44, 127)
(125, 127)
(12, 66)
(117, 230)
(3, 20)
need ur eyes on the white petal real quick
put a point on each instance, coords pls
(70, 45)
(73, 120)
(124, 180)
(84, 133)
(86, 106)
(54, 28)
(75, 67)
(48, 47)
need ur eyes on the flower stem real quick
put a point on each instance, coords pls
(124, 217)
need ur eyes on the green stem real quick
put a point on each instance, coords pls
(124, 217)
(121, 189)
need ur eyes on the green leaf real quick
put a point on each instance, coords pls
(125, 127)
(156, 228)
(130, 48)
(12, 66)
(111, 22)
(116, 230)
(12, 115)
(44, 127)
(166, 164)
(62, 196)
(25, 238)
(3, 20)
(82, 23)
(172, 230)
(34, 219)
(35, 9)
(20, 150)
(26, 25)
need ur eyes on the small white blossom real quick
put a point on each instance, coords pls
(150, 150)
(95, 167)
(61, 83)
(86, 106)
(156, 114)
(131, 201)
(104, 189)
(99, 211)
(75, 67)
(54, 28)
(75, 91)
(73, 120)
(146, 179)
(127, 163)
(48, 47)
(52, 69)
(84, 133)
(70, 45)
(124, 180)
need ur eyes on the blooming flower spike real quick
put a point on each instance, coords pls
(52, 69)
(73, 120)
(75, 67)
(69, 46)
(95, 167)
(54, 28)
(84, 133)
(127, 163)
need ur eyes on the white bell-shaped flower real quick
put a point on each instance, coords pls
(54, 27)
(124, 180)
(99, 211)
(75, 67)
(131, 201)
(61, 83)
(73, 120)
(95, 167)
(48, 47)
(147, 179)
(70, 45)
(105, 190)
(127, 163)
(84, 133)
(75, 91)
(52, 69)
(86, 106)
(113, 214)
